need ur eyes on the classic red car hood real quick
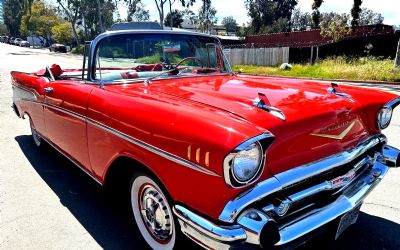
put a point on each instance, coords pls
(317, 123)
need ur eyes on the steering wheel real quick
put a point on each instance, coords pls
(190, 58)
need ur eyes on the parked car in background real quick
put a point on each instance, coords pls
(24, 43)
(17, 41)
(11, 40)
(228, 160)
(58, 47)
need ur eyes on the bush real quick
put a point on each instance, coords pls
(78, 50)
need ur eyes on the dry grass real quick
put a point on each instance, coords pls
(334, 68)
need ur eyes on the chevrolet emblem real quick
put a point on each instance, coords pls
(339, 136)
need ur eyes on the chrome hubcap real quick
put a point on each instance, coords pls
(155, 213)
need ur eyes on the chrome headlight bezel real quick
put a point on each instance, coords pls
(384, 117)
(388, 108)
(261, 142)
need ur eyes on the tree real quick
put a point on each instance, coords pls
(39, 20)
(160, 4)
(335, 28)
(62, 32)
(92, 16)
(355, 12)
(369, 17)
(174, 19)
(264, 13)
(140, 14)
(207, 17)
(397, 59)
(3, 29)
(300, 21)
(230, 24)
(316, 14)
(72, 12)
(13, 10)
(132, 6)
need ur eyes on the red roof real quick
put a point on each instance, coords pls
(312, 37)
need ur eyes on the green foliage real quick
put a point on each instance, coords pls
(176, 17)
(230, 24)
(269, 15)
(355, 12)
(334, 68)
(13, 10)
(300, 21)
(78, 49)
(140, 14)
(207, 17)
(155, 58)
(3, 29)
(315, 13)
(335, 28)
(40, 20)
(369, 17)
(62, 32)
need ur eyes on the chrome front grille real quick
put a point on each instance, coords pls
(295, 201)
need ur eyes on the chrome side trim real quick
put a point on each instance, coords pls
(207, 233)
(73, 161)
(235, 206)
(135, 141)
(153, 149)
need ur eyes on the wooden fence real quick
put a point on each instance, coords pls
(257, 56)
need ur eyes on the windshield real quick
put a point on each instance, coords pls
(143, 56)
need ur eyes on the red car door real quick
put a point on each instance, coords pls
(65, 118)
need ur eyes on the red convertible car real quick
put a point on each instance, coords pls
(228, 160)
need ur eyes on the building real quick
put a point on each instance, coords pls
(1, 11)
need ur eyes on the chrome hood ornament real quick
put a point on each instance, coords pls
(263, 103)
(335, 90)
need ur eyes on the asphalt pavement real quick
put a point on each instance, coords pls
(48, 203)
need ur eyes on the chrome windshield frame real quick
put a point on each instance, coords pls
(95, 43)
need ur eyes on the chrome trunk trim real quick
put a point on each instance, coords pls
(235, 206)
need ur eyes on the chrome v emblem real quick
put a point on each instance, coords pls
(339, 136)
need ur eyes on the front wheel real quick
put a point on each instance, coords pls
(152, 212)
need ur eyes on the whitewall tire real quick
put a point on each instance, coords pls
(153, 213)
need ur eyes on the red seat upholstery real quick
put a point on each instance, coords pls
(149, 67)
(129, 75)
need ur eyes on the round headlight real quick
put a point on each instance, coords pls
(384, 117)
(246, 163)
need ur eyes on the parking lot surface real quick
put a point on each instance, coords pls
(48, 203)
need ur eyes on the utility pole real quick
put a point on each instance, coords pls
(397, 60)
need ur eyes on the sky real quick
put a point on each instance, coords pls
(390, 9)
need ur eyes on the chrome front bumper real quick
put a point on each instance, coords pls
(253, 227)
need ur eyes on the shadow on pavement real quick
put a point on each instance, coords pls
(111, 227)
(370, 232)
(107, 223)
